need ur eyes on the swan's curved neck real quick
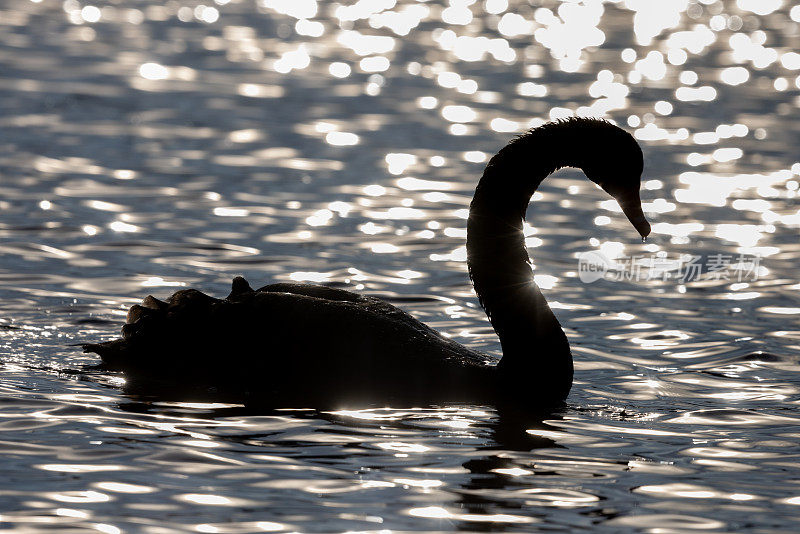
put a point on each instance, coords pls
(535, 348)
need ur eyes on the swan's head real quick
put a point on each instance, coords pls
(614, 162)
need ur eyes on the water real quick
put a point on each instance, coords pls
(147, 146)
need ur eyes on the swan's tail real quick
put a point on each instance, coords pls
(156, 328)
(113, 354)
(143, 320)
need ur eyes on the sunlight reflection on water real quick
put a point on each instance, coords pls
(148, 146)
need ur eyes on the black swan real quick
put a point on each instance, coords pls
(298, 343)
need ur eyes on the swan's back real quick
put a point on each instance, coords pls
(290, 338)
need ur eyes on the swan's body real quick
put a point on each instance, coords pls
(296, 342)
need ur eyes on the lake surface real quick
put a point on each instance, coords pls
(147, 146)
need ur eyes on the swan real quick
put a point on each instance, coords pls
(298, 342)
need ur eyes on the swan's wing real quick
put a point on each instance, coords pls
(309, 290)
(370, 305)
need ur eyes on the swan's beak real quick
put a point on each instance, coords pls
(632, 208)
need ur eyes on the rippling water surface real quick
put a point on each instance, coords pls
(147, 146)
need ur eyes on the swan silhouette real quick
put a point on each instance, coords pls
(298, 342)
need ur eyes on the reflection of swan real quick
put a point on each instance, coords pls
(303, 342)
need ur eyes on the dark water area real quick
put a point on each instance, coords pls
(149, 146)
